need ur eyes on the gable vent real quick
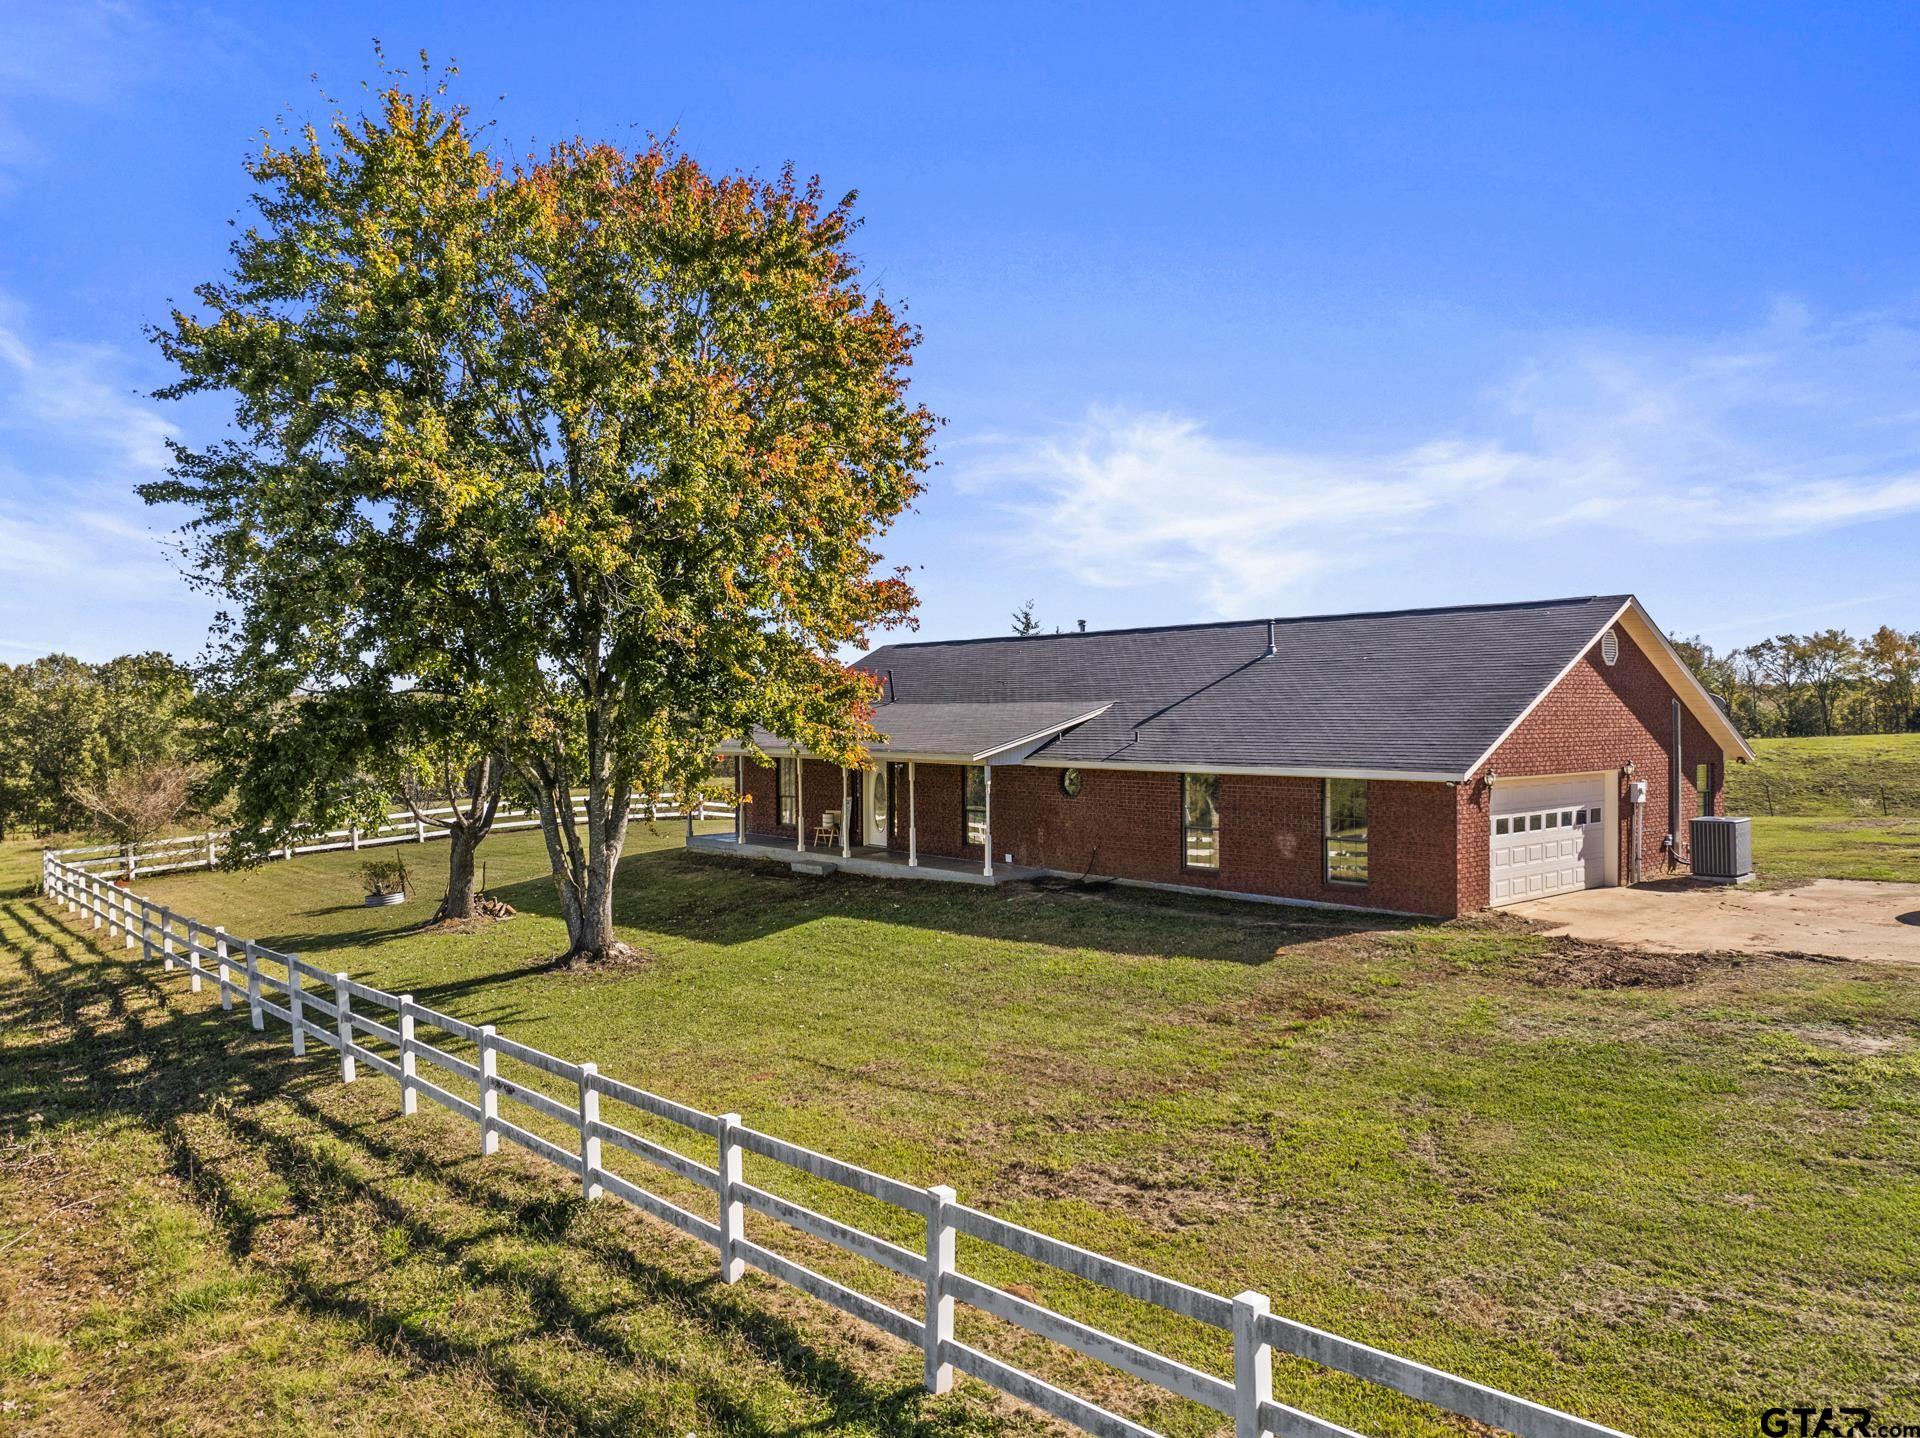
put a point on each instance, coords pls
(1610, 647)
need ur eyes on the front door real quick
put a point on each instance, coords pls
(873, 791)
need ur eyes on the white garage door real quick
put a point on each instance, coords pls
(1548, 837)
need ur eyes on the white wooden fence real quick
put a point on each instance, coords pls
(401, 826)
(341, 1014)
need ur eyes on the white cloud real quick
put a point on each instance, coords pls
(82, 560)
(1801, 424)
(61, 52)
(75, 408)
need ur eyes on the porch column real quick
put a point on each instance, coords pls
(986, 855)
(799, 801)
(846, 817)
(739, 798)
(913, 830)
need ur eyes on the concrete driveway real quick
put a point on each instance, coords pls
(1839, 918)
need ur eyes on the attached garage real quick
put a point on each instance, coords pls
(1551, 836)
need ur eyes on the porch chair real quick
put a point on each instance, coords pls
(827, 832)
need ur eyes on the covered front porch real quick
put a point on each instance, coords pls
(874, 828)
(870, 860)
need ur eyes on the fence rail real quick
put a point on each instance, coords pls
(349, 1017)
(182, 852)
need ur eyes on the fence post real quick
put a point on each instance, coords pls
(353, 837)
(99, 901)
(409, 1064)
(489, 1095)
(210, 855)
(128, 909)
(1252, 1364)
(589, 1141)
(939, 1309)
(296, 996)
(733, 1211)
(256, 1015)
(343, 1023)
(225, 970)
(419, 831)
(131, 870)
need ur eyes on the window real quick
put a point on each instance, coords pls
(1200, 820)
(1703, 784)
(1346, 836)
(786, 790)
(1500, 826)
(976, 803)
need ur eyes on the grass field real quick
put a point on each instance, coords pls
(1863, 776)
(1791, 851)
(1841, 808)
(1667, 1207)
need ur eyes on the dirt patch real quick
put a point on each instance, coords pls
(1578, 964)
(487, 912)
(1157, 1191)
(1850, 1041)
(1294, 1008)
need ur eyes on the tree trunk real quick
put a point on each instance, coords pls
(468, 827)
(583, 869)
(608, 799)
(462, 886)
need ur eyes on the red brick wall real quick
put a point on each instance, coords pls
(939, 809)
(1598, 717)
(1126, 823)
(819, 792)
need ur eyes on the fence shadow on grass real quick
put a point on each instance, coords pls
(275, 1146)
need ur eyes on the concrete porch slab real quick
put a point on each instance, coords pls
(868, 861)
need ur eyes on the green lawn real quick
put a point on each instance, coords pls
(1864, 776)
(1842, 808)
(1666, 1207)
(1791, 851)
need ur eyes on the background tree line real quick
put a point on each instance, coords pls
(95, 747)
(1826, 682)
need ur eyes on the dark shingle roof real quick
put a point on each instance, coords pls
(973, 730)
(1421, 691)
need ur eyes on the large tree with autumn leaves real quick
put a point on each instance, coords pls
(599, 443)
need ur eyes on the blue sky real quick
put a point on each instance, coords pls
(1230, 310)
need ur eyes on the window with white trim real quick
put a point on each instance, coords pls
(786, 787)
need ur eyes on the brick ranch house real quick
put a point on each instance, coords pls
(1419, 761)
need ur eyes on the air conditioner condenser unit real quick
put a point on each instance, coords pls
(1722, 849)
